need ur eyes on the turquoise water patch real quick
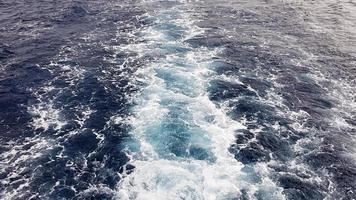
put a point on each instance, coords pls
(177, 136)
(172, 31)
(177, 82)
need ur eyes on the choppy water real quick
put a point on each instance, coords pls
(178, 99)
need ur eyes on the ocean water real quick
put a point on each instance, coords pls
(193, 100)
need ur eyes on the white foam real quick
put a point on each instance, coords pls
(46, 116)
(156, 177)
(17, 159)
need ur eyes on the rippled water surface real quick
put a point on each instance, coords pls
(193, 100)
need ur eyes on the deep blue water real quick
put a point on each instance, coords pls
(174, 100)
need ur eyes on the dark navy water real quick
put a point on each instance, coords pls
(193, 100)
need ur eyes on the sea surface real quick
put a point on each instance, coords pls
(169, 100)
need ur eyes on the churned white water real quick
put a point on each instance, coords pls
(181, 139)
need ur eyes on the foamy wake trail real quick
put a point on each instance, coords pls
(181, 140)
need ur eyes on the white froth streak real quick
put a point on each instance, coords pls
(45, 116)
(156, 178)
(17, 159)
